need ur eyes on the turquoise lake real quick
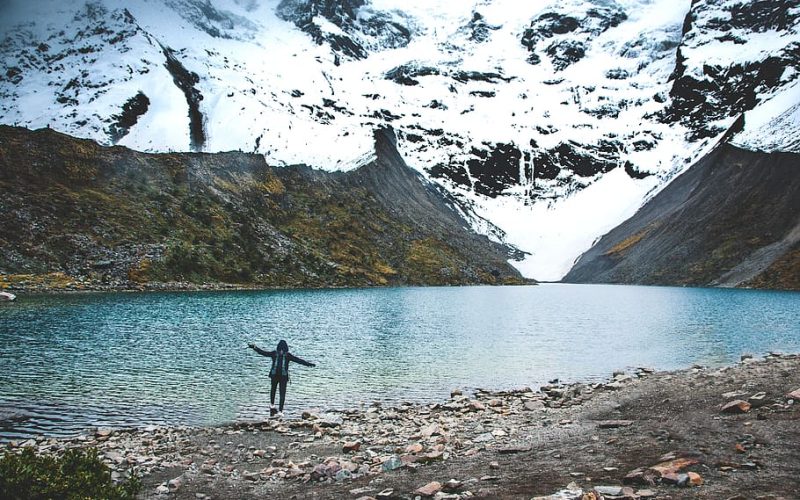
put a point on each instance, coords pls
(69, 362)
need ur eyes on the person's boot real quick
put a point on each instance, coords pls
(272, 411)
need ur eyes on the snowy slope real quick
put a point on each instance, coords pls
(553, 120)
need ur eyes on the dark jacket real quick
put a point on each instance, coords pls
(280, 361)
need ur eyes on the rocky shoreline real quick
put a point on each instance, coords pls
(724, 433)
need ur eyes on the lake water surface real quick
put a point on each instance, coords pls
(68, 362)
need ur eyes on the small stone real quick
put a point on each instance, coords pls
(476, 406)
(430, 430)
(483, 438)
(794, 394)
(695, 479)
(645, 493)
(452, 486)
(494, 465)
(250, 476)
(175, 484)
(614, 424)
(609, 490)
(740, 449)
(351, 446)
(162, 490)
(736, 406)
(495, 403)
(533, 405)
(456, 392)
(343, 475)
(758, 399)
(430, 489)
(392, 463)
(414, 448)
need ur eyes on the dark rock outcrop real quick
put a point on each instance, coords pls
(732, 219)
(704, 92)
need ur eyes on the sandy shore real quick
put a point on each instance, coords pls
(666, 435)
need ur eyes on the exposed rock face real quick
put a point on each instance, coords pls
(361, 28)
(112, 217)
(730, 220)
(708, 89)
(563, 37)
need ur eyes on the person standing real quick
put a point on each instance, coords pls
(279, 372)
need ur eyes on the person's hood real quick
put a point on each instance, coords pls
(283, 346)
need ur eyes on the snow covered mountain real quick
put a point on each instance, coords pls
(553, 120)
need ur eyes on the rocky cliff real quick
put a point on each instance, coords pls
(732, 219)
(80, 215)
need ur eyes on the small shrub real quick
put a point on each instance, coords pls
(78, 474)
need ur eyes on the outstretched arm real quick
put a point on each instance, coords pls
(294, 358)
(269, 354)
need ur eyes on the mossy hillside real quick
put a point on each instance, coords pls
(111, 216)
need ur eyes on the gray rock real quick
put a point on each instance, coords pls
(483, 438)
(394, 462)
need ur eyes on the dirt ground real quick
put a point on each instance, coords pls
(587, 435)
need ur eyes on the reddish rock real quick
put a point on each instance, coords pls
(695, 479)
(736, 406)
(351, 446)
(414, 448)
(794, 394)
(740, 448)
(430, 489)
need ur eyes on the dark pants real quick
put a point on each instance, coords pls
(277, 380)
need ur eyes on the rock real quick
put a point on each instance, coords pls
(452, 486)
(430, 430)
(483, 438)
(740, 448)
(513, 449)
(794, 394)
(362, 491)
(695, 479)
(351, 446)
(456, 392)
(645, 493)
(609, 490)
(250, 476)
(614, 424)
(430, 489)
(175, 484)
(392, 463)
(320, 471)
(494, 403)
(162, 490)
(343, 475)
(673, 466)
(494, 465)
(414, 448)
(736, 406)
(387, 493)
(533, 405)
(572, 492)
(476, 406)
(758, 399)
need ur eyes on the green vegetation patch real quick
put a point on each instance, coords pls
(78, 474)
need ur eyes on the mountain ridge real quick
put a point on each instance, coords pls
(703, 229)
(94, 217)
(552, 121)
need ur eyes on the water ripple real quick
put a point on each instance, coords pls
(127, 360)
